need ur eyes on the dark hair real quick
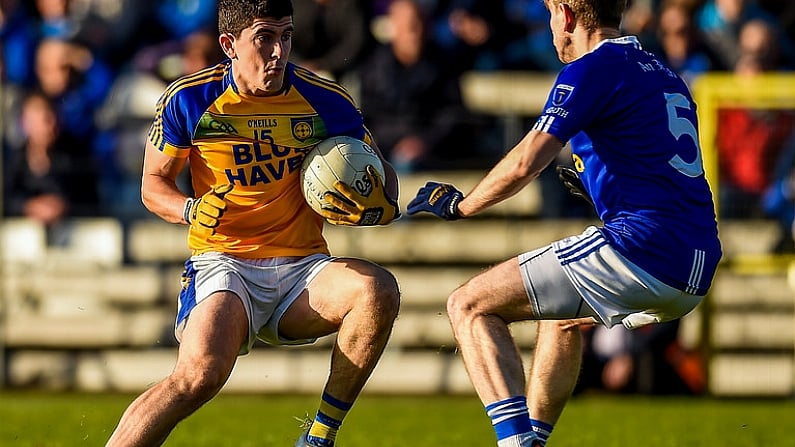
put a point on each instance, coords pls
(236, 15)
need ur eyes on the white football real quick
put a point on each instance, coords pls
(337, 158)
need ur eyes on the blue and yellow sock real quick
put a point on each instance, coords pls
(542, 429)
(509, 417)
(327, 421)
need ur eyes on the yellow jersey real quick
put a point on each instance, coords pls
(257, 144)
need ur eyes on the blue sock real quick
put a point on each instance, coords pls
(542, 429)
(509, 417)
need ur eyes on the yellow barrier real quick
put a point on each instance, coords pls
(711, 92)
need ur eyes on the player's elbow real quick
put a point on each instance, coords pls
(146, 198)
(523, 172)
(147, 204)
(157, 205)
(528, 163)
(534, 153)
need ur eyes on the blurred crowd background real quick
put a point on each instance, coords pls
(80, 79)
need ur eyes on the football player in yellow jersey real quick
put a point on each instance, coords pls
(260, 267)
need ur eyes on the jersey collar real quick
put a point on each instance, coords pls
(623, 40)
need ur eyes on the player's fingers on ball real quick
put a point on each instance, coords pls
(208, 221)
(205, 231)
(212, 211)
(344, 189)
(335, 218)
(342, 205)
(216, 202)
(332, 199)
(328, 214)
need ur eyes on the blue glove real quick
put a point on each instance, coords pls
(438, 198)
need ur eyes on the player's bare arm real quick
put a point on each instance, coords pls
(159, 190)
(523, 163)
(520, 166)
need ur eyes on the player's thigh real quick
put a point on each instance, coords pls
(498, 290)
(334, 292)
(213, 334)
(549, 289)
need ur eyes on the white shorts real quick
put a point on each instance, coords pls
(266, 287)
(583, 275)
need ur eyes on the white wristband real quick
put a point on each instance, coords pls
(187, 209)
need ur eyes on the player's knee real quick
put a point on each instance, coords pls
(197, 385)
(380, 291)
(461, 306)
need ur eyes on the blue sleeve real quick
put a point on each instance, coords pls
(581, 92)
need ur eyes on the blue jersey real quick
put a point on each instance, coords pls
(632, 127)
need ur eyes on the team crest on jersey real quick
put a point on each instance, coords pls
(302, 128)
(561, 94)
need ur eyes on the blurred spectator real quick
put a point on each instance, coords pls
(11, 97)
(649, 360)
(528, 40)
(180, 18)
(681, 44)
(110, 29)
(639, 20)
(466, 29)
(55, 20)
(18, 37)
(784, 11)
(750, 141)
(76, 82)
(778, 200)
(125, 120)
(759, 48)
(44, 179)
(200, 49)
(721, 22)
(172, 59)
(412, 108)
(126, 116)
(331, 36)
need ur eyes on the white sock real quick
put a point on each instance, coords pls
(520, 440)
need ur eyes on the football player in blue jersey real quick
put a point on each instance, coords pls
(260, 267)
(631, 123)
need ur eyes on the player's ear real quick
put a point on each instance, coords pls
(571, 19)
(227, 42)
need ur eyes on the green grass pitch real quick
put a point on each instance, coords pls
(55, 420)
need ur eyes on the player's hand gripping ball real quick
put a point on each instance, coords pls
(342, 179)
(204, 213)
(440, 199)
(352, 208)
